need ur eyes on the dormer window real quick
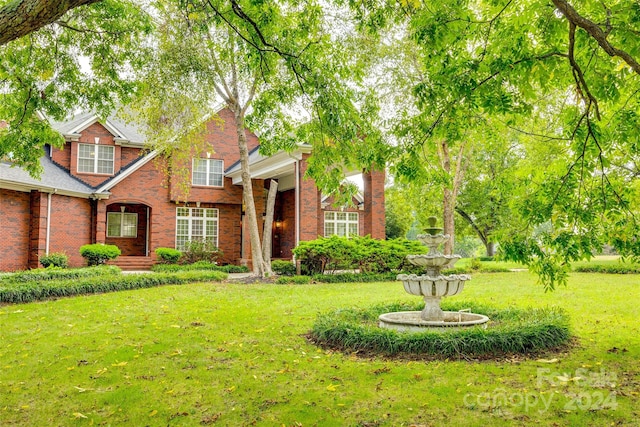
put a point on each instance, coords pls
(97, 159)
(208, 172)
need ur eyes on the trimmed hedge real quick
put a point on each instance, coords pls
(283, 268)
(40, 290)
(608, 269)
(44, 274)
(510, 331)
(200, 265)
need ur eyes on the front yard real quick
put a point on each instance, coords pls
(236, 354)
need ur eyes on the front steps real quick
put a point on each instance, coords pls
(132, 263)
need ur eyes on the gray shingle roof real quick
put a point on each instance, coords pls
(125, 130)
(52, 177)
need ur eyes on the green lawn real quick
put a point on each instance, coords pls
(231, 354)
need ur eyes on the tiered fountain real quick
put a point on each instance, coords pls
(432, 286)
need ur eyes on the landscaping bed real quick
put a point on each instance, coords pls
(510, 331)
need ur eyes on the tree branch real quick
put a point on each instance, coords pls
(596, 32)
(21, 17)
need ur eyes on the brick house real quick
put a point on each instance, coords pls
(104, 187)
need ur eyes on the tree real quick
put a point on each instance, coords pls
(275, 67)
(21, 17)
(81, 59)
(533, 64)
(399, 212)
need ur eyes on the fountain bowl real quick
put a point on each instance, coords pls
(433, 286)
(431, 261)
(433, 239)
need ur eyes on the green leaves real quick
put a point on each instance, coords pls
(84, 60)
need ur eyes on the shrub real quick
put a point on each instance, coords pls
(283, 268)
(39, 290)
(200, 250)
(293, 280)
(364, 253)
(510, 331)
(475, 264)
(99, 253)
(55, 259)
(168, 255)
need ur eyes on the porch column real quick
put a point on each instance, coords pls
(311, 225)
(373, 204)
(38, 206)
(101, 222)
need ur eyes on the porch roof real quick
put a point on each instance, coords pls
(54, 179)
(280, 166)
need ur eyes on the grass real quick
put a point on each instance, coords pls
(233, 354)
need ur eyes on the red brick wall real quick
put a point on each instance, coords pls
(373, 204)
(62, 156)
(287, 210)
(68, 157)
(223, 141)
(311, 224)
(144, 187)
(70, 227)
(129, 154)
(14, 230)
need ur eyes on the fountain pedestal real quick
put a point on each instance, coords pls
(432, 286)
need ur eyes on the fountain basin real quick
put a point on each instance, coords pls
(412, 321)
(433, 286)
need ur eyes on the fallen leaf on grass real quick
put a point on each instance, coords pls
(79, 415)
(554, 360)
(332, 387)
(153, 413)
(119, 364)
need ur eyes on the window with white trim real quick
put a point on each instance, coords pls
(196, 224)
(96, 158)
(208, 172)
(343, 224)
(122, 224)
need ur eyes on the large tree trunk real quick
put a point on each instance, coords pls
(257, 261)
(21, 17)
(268, 223)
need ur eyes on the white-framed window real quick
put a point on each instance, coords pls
(340, 223)
(121, 224)
(209, 172)
(196, 224)
(94, 158)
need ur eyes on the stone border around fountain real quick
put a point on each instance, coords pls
(411, 321)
